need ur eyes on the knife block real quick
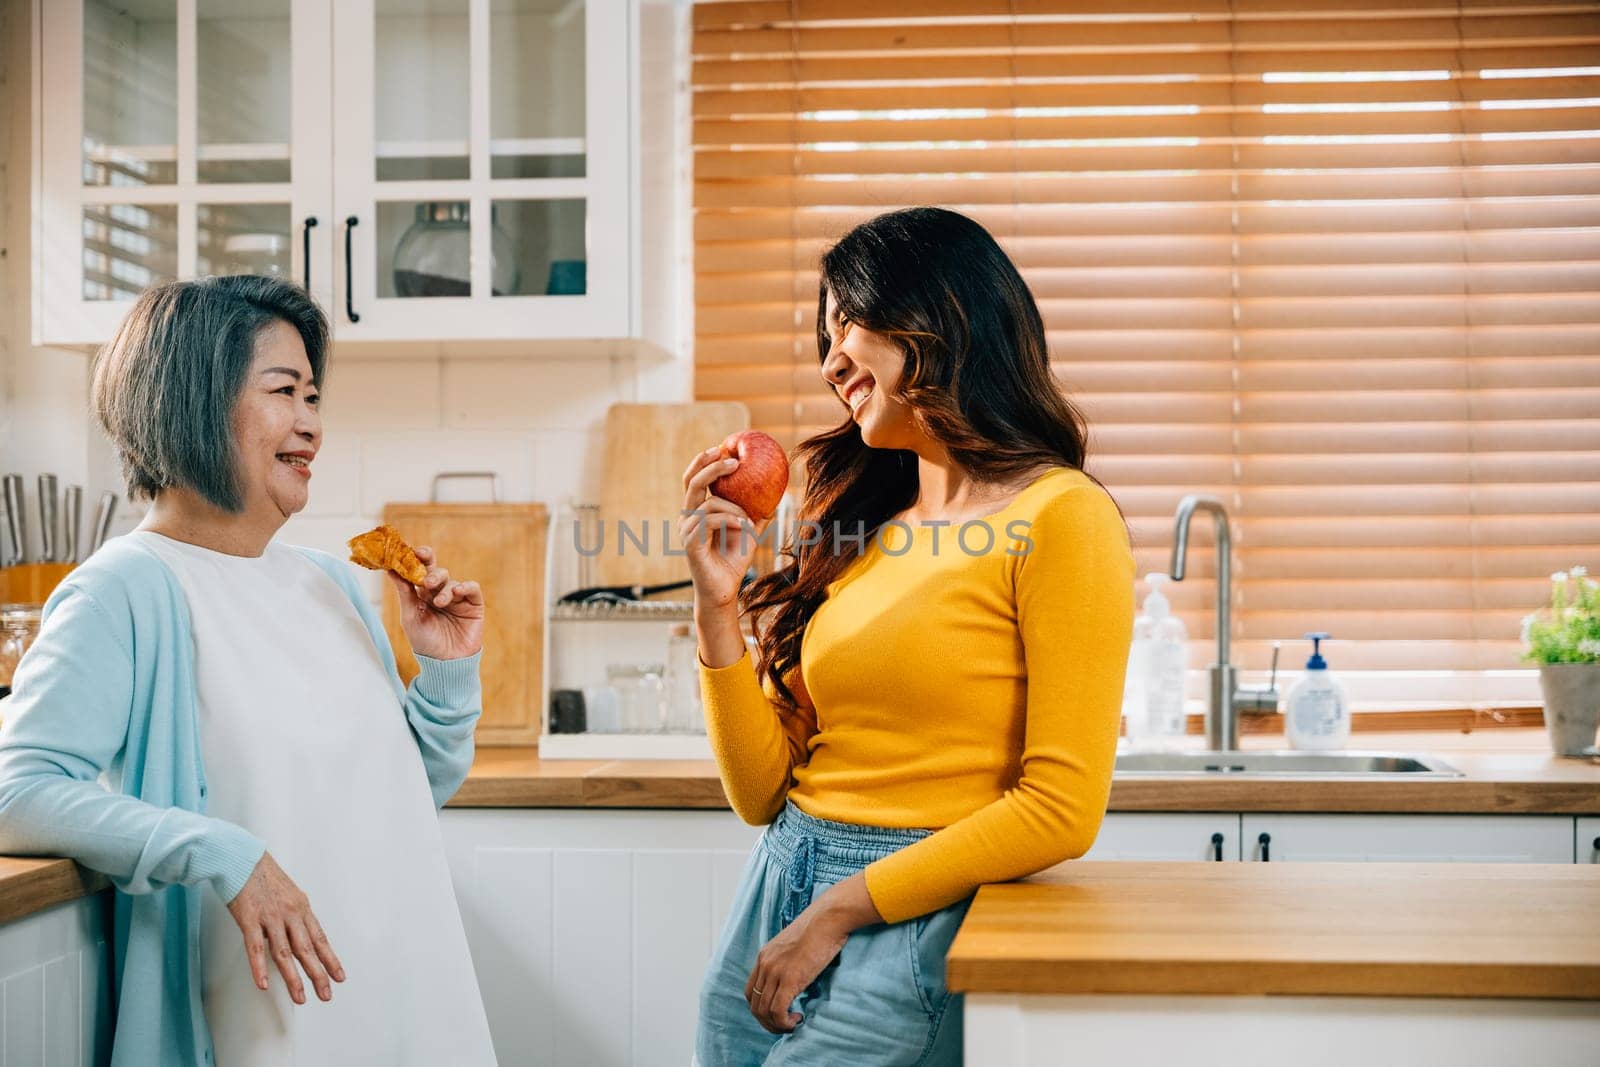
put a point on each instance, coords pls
(31, 583)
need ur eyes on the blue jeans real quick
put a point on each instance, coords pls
(881, 1002)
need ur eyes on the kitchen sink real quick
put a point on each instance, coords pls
(1283, 764)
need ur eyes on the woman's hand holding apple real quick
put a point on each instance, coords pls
(718, 536)
(722, 488)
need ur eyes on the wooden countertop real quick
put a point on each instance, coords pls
(1311, 929)
(1506, 771)
(31, 885)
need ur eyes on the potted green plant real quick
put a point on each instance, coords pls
(1564, 640)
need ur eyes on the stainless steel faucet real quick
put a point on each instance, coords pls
(1226, 698)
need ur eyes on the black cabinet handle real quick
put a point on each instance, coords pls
(1596, 845)
(305, 248)
(1216, 845)
(349, 275)
(1265, 841)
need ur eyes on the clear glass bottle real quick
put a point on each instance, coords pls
(434, 256)
(685, 715)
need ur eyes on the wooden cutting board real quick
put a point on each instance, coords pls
(647, 448)
(502, 548)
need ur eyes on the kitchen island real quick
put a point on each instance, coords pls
(1317, 964)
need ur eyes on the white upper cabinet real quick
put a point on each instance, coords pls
(175, 138)
(438, 169)
(481, 168)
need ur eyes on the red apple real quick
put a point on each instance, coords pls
(758, 482)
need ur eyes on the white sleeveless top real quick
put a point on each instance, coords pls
(306, 746)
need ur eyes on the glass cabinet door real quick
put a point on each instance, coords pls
(177, 147)
(473, 167)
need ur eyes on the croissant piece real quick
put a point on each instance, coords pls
(384, 549)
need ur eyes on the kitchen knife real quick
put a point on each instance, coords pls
(72, 529)
(15, 523)
(103, 514)
(49, 549)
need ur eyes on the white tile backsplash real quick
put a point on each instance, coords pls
(566, 464)
(528, 395)
(382, 395)
(400, 467)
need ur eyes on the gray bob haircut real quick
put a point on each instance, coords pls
(165, 386)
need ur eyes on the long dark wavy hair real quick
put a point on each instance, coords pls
(977, 379)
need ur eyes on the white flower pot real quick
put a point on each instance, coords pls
(1571, 706)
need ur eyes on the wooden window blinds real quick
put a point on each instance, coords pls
(1334, 262)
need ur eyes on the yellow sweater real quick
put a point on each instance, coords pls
(972, 692)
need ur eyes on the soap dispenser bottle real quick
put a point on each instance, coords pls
(1165, 664)
(1317, 713)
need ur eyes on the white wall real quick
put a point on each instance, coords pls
(391, 423)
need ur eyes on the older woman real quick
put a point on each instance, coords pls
(198, 692)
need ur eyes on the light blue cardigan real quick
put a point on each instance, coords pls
(109, 687)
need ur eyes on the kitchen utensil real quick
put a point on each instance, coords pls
(620, 592)
(596, 594)
(48, 545)
(104, 512)
(502, 548)
(72, 528)
(16, 524)
(646, 448)
(434, 255)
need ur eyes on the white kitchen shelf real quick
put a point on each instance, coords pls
(527, 146)
(625, 746)
(167, 153)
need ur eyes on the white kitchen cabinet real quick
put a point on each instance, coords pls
(1409, 838)
(1129, 835)
(504, 125)
(591, 929)
(175, 138)
(1587, 838)
(440, 170)
(55, 986)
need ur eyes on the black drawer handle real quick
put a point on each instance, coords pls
(1265, 841)
(349, 275)
(305, 248)
(1216, 845)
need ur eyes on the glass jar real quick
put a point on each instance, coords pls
(685, 715)
(434, 256)
(255, 253)
(640, 706)
(19, 625)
